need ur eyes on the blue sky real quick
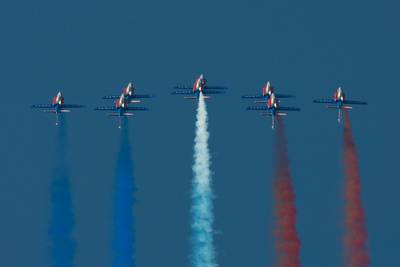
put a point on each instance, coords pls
(91, 48)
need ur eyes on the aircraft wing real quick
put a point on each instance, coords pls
(72, 106)
(105, 108)
(142, 96)
(183, 92)
(213, 92)
(324, 101)
(214, 87)
(111, 97)
(207, 87)
(283, 96)
(183, 87)
(45, 106)
(134, 96)
(354, 102)
(136, 108)
(288, 109)
(257, 108)
(253, 96)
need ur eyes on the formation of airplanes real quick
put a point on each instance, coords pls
(269, 102)
(121, 107)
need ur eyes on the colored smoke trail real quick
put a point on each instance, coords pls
(287, 241)
(123, 220)
(61, 223)
(355, 237)
(202, 206)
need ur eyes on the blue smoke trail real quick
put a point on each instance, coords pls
(123, 221)
(202, 205)
(62, 217)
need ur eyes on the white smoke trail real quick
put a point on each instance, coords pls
(202, 205)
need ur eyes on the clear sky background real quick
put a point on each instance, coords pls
(91, 48)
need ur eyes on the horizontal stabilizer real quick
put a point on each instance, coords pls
(182, 92)
(135, 101)
(65, 110)
(281, 114)
(333, 106)
(266, 114)
(49, 110)
(195, 97)
(338, 107)
(260, 101)
(116, 114)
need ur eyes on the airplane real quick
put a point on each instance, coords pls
(57, 106)
(272, 109)
(199, 86)
(130, 94)
(120, 109)
(339, 102)
(267, 90)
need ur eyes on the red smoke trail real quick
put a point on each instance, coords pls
(287, 241)
(355, 237)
